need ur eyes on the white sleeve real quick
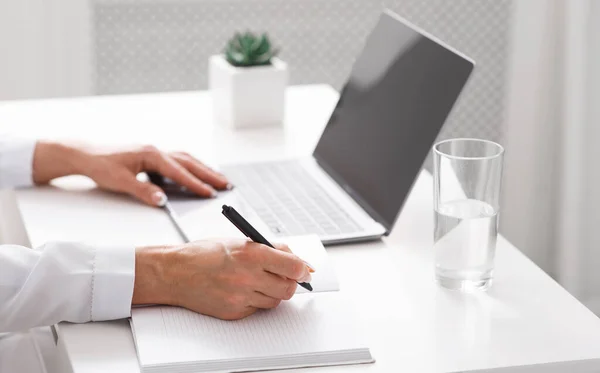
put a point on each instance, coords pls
(64, 282)
(16, 161)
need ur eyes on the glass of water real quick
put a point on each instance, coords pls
(466, 180)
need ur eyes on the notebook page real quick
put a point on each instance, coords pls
(308, 323)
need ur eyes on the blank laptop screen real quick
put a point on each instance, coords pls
(398, 96)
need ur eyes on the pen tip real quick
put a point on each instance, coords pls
(307, 286)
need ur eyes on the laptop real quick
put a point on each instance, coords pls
(400, 91)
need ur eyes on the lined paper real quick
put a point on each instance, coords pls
(312, 329)
(307, 324)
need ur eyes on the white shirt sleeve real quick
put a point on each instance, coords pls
(16, 161)
(64, 282)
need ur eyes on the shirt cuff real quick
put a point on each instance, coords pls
(16, 162)
(112, 283)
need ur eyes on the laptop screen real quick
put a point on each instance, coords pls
(398, 96)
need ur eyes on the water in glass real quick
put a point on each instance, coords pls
(465, 244)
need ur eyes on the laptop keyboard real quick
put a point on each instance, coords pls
(289, 200)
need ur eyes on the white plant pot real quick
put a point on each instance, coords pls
(246, 97)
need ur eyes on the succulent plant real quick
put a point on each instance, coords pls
(249, 49)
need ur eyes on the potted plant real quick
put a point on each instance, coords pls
(248, 82)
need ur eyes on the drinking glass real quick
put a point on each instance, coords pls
(466, 181)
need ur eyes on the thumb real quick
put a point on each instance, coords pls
(146, 192)
(282, 247)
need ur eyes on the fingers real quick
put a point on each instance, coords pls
(155, 160)
(201, 171)
(284, 264)
(283, 247)
(286, 248)
(260, 300)
(276, 286)
(148, 193)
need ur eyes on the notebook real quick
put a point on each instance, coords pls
(311, 329)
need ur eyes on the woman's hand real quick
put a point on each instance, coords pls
(227, 279)
(117, 170)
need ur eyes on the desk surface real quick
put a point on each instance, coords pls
(524, 320)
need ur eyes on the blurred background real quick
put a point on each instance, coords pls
(535, 88)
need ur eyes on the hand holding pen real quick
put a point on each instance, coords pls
(225, 278)
(249, 231)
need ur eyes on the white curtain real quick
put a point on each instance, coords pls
(46, 48)
(552, 183)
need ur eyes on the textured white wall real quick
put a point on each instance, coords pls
(164, 45)
(79, 47)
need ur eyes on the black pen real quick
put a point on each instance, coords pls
(249, 231)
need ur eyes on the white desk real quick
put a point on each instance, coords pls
(526, 318)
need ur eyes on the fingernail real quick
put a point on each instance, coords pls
(306, 278)
(310, 268)
(213, 194)
(159, 199)
(229, 187)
